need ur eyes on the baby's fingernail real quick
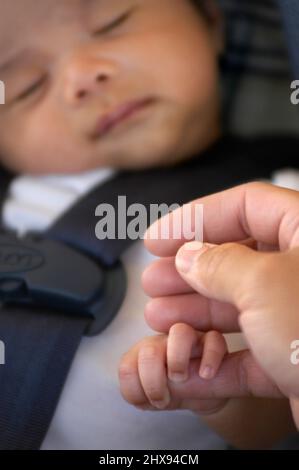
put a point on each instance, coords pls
(177, 377)
(162, 404)
(188, 253)
(207, 372)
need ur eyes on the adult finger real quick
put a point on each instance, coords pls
(267, 213)
(198, 311)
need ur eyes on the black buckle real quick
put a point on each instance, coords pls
(38, 272)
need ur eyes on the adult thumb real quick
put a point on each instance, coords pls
(218, 271)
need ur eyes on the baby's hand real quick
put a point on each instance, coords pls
(157, 372)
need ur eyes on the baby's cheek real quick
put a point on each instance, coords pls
(14, 152)
(45, 144)
(37, 150)
(201, 87)
(196, 71)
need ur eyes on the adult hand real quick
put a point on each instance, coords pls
(232, 287)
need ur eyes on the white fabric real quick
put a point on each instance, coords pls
(35, 202)
(287, 178)
(91, 413)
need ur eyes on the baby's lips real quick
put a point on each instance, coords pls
(121, 113)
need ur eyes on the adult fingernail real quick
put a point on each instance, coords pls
(188, 253)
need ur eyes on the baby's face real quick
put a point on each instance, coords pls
(105, 83)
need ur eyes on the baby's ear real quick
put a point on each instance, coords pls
(216, 22)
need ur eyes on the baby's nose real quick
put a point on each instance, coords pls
(84, 79)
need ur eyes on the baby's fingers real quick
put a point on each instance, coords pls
(129, 381)
(152, 372)
(214, 350)
(183, 343)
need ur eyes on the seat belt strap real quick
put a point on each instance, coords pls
(51, 296)
(290, 13)
(39, 349)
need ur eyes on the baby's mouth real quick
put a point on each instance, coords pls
(109, 121)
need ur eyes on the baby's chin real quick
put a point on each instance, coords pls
(131, 159)
(139, 161)
(148, 150)
(146, 153)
